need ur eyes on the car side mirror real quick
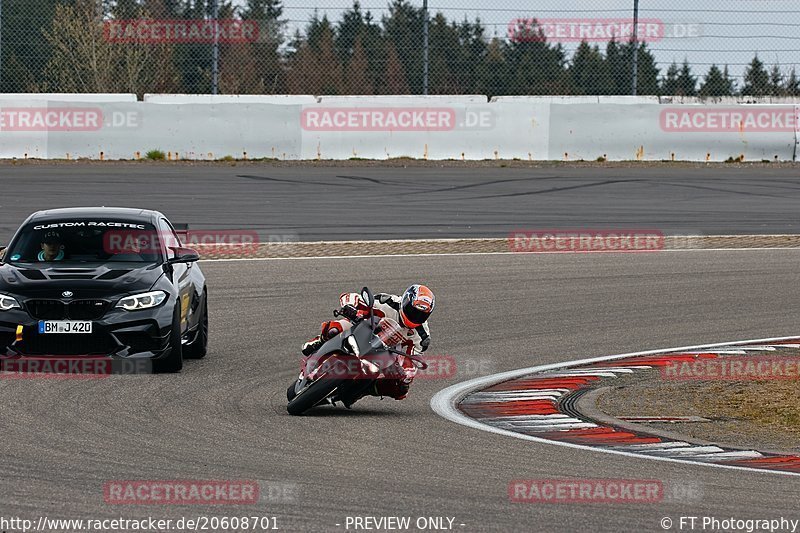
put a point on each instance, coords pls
(183, 255)
(2, 252)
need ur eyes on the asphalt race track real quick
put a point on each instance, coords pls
(224, 418)
(326, 203)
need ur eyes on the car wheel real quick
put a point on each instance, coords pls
(174, 361)
(199, 347)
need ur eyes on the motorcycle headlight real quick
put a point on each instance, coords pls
(146, 300)
(8, 303)
(351, 343)
(368, 367)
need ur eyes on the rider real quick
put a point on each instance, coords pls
(411, 310)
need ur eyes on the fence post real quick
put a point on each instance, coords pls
(425, 47)
(635, 46)
(215, 48)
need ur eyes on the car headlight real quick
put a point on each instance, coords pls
(7, 303)
(146, 300)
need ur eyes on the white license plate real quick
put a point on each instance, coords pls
(64, 326)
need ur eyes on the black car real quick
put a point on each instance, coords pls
(102, 282)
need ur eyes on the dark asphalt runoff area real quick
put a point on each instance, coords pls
(371, 202)
(224, 418)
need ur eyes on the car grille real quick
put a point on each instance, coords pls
(87, 309)
(58, 310)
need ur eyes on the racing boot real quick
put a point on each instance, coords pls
(368, 390)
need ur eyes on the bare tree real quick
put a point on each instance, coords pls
(87, 58)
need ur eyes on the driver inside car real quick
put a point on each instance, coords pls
(52, 247)
(411, 311)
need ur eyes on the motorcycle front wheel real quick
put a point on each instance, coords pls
(313, 394)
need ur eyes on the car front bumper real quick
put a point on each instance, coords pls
(119, 334)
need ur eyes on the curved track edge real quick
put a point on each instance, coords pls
(445, 403)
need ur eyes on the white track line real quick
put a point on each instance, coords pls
(458, 254)
(445, 401)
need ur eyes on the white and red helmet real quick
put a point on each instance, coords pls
(417, 305)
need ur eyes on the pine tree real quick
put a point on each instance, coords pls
(348, 31)
(469, 56)
(357, 79)
(776, 82)
(444, 56)
(792, 86)
(492, 76)
(403, 29)
(328, 63)
(618, 68)
(263, 56)
(729, 80)
(647, 71)
(26, 51)
(395, 79)
(304, 76)
(267, 10)
(756, 79)
(687, 84)
(669, 85)
(716, 84)
(589, 71)
(619, 58)
(536, 67)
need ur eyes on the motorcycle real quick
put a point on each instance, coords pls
(347, 365)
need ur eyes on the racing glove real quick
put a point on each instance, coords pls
(349, 312)
(352, 306)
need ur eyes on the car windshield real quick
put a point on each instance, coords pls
(86, 241)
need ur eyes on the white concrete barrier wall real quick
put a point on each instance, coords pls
(673, 132)
(130, 130)
(424, 129)
(463, 127)
(68, 97)
(282, 99)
